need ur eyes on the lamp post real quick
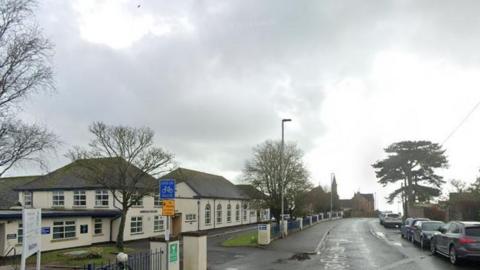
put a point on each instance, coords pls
(282, 174)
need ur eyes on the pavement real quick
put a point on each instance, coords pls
(355, 243)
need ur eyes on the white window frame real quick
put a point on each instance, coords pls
(20, 233)
(102, 198)
(98, 226)
(79, 198)
(156, 201)
(68, 229)
(218, 214)
(208, 214)
(158, 224)
(229, 213)
(136, 225)
(58, 198)
(137, 201)
(190, 217)
(28, 199)
(237, 213)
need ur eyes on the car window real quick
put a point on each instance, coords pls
(454, 228)
(431, 226)
(393, 215)
(472, 231)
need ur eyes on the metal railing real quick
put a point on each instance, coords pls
(148, 260)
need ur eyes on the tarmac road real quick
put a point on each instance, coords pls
(354, 243)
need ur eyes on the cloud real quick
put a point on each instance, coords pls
(213, 79)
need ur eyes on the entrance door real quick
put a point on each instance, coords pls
(177, 224)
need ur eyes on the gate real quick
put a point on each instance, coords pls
(274, 231)
(148, 260)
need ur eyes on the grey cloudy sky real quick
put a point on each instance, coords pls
(214, 78)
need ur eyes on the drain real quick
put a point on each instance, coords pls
(300, 257)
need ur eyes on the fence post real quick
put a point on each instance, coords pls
(169, 253)
(300, 223)
(195, 250)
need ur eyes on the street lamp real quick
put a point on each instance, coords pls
(282, 174)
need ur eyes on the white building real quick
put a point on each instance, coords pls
(78, 212)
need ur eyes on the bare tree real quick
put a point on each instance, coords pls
(21, 142)
(24, 69)
(124, 160)
(263, 172)
(459, 185)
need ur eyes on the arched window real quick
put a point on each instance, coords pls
(219, 213)
(245, 206)
(237, 213)
(208, 218)
(229, 213)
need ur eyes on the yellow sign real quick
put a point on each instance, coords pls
(168, 208)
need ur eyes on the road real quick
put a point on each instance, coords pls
(350, 244)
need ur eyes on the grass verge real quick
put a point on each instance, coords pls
(248, 239)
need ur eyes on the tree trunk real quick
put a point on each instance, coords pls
(121, 229)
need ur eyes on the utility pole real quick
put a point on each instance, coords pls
(282, 174)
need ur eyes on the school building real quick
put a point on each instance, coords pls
(81, 212)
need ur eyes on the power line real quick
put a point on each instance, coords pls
(462, 122)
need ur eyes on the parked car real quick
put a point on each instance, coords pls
(407, 227)
(457, 240)
(423, 231)
(392, 220)
(381, 216)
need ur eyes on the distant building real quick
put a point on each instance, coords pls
(463, 206)
(361, 205)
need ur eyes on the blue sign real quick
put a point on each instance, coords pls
(262, 227)
(45, 230)
(167, 189)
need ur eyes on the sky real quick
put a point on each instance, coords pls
(214, 78)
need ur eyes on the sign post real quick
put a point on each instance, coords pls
(167, 195)
(32, 227)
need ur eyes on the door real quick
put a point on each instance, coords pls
(2, 239)
(177, 224)
(442, 237)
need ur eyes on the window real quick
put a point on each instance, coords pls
(64, 229)
(27, 199)
(219, 213)
(237, 212)
(136, 225)
(252, 213)
(229, 213)
(158, 224)
(98, 223)
(156, 201)
(101, 198)
(79, 198)
(137, 201)
(20, 233)
(58, 199)
(208, 219)
(244, 212)
(190, 217)
(83, 228)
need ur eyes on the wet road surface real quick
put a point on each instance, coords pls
(350, 244)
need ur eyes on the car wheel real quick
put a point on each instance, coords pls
(433, 248)
(452, 255)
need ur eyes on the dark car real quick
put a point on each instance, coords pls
(457, 240)
(407, 227)
(424, 230)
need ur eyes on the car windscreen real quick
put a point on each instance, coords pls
(431, 226)
(393, 216)
(472, 231)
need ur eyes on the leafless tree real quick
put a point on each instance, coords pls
(24, 69)
(124, 160)
(263, 171)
